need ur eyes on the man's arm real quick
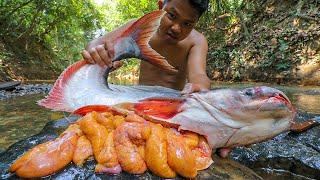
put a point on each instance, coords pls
(197, 58)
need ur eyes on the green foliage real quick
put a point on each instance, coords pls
(219, 59)
(61, 26)
(260, 39)
(118, 12)
(239, 32)
(55, 31)
(135, 9)
(283, 52)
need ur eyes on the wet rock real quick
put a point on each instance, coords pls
(25, 89)
(289, 155)
(9, 85)
(312, 92)
(221, 169)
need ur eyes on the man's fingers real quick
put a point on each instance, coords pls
(86, 56)
(117, 64)
(95, 55)
(187, 89)
(104, 55)
(191, 88)
(109, 47)
(224, 152)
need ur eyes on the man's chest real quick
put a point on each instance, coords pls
(177, 57)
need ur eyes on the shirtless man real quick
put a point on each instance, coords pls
(176, 39)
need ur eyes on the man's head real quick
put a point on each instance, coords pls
(180, 19)
(200, 5)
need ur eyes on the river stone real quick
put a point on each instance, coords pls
(9, 85)
(287, 156)
(220, 169)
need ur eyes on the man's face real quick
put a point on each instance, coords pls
(178, 22)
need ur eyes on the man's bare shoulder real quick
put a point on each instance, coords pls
(197, 38)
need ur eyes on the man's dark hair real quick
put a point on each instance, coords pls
(200, 5)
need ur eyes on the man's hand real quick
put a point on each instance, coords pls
(191, 88)
(101, 52)
(224, 152)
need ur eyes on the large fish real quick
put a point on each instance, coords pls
(226, 117)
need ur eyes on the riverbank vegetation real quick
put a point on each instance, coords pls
(266, 40)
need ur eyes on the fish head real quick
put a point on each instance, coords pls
(250, 104)
(235, 117)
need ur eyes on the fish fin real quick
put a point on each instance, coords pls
(141, 31)
(90, 108)
(55, 98)
(158, 108)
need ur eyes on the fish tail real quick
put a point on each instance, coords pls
(141, 31)
(55, 99)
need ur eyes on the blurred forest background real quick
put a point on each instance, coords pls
(263, 40)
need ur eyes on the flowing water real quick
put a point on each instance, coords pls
(21, 117)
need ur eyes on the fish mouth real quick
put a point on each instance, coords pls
(278, 104)
(282, 97)
(266, 101)
(279, 99)
(273, 95)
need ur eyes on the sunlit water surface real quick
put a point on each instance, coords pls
(21, 117)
